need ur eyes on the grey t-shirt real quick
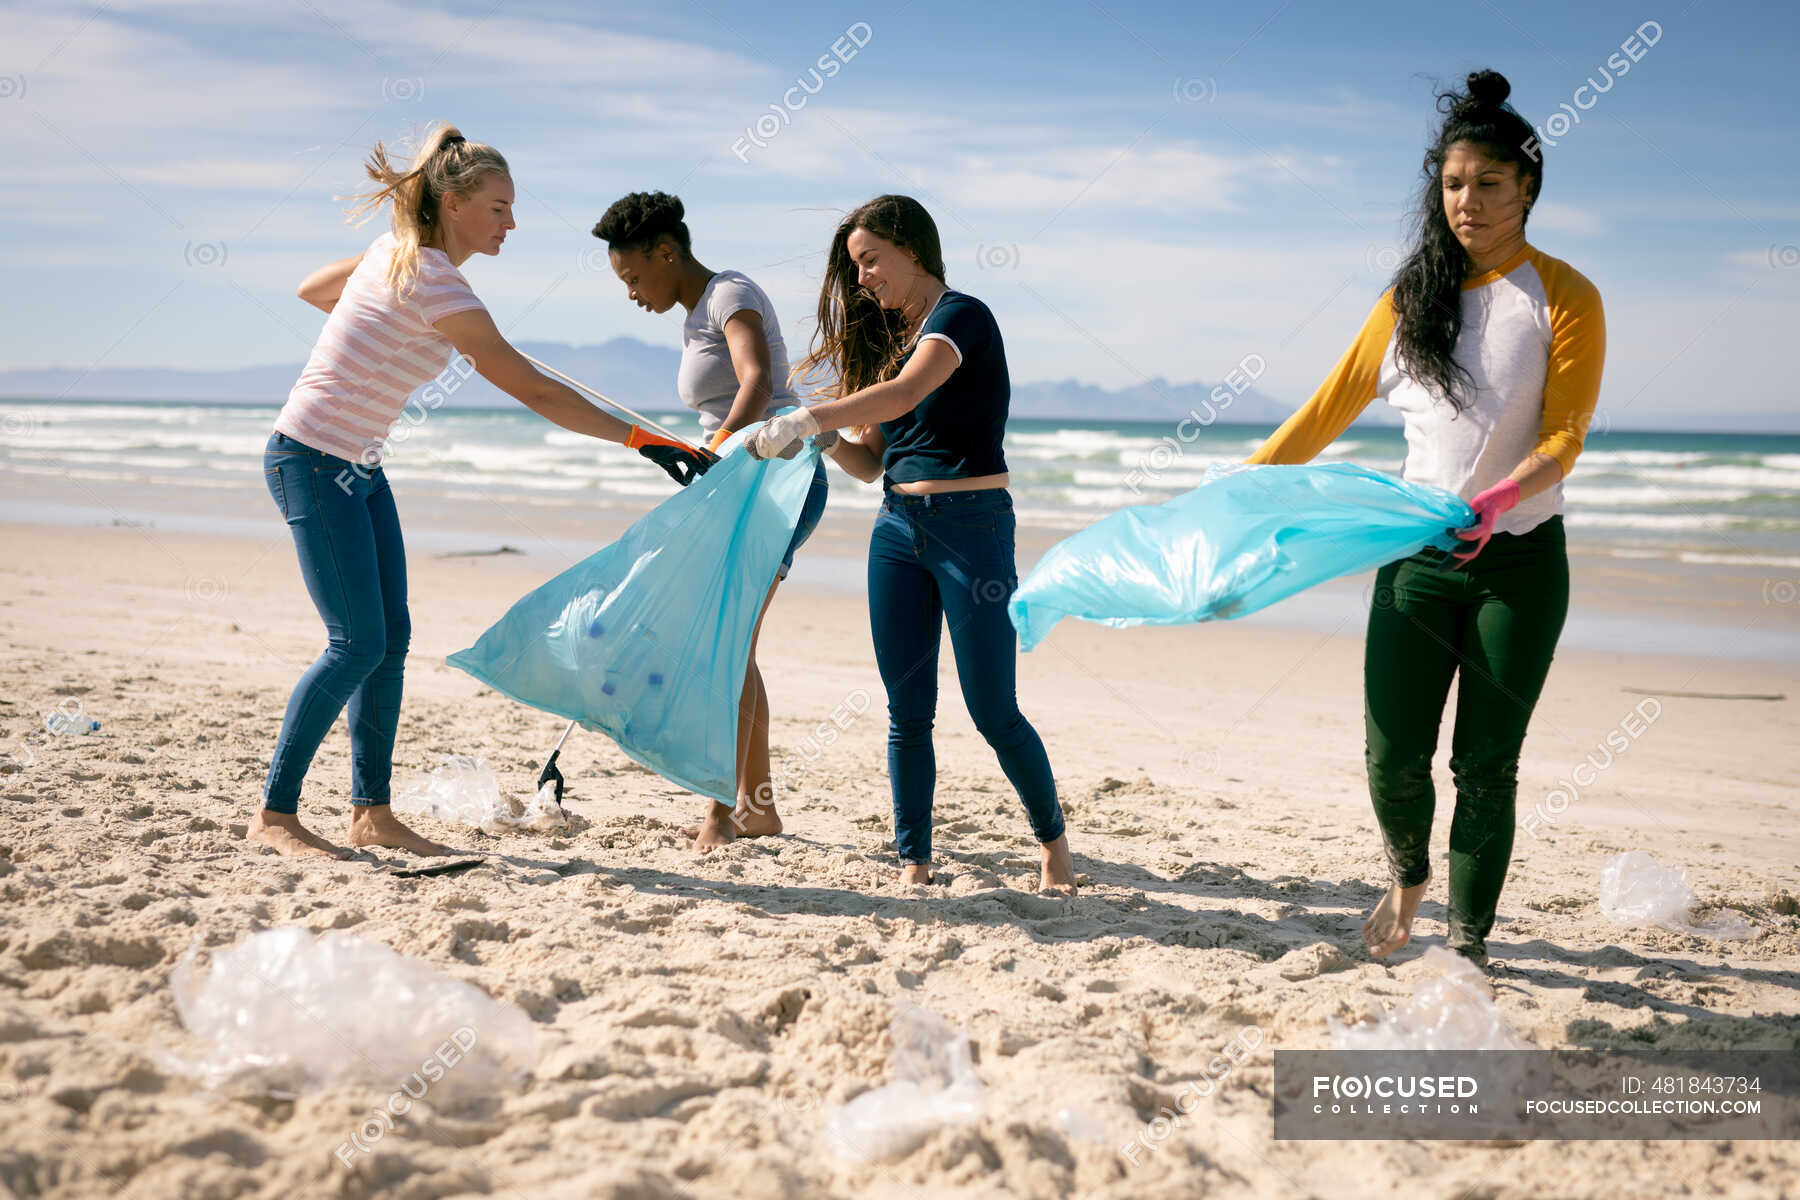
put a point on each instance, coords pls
(707, 381)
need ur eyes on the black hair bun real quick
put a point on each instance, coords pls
(1487, 89)
(638, 220)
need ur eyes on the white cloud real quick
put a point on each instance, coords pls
(1564, 218)
(1151, 237)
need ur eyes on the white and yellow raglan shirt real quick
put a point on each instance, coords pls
(1533, 341)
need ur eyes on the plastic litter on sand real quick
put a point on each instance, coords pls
(286, 1013)
(61, 723)
(934, 1085)
(1635, 890)
(1079, 1123)
(1452, 1010)
(464, 791)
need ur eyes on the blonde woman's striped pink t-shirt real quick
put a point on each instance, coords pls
(375, 349)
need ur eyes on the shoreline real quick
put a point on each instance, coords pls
(1619, 603)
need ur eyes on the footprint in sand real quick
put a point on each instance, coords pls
(1309, 962)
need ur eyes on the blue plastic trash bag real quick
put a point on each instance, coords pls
(648, 640)
(1245, 538)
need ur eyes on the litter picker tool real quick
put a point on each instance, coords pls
(550, 774)
(640, 418)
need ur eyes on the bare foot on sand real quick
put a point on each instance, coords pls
(1389, 927)
(1058, 871)
(714, 830)
(912, 873)
(752, 819)
(283, 833)
(722, 825)
(376, 825)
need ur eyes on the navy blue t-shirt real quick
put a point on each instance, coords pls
(955, 431)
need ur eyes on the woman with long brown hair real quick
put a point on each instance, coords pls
(399, 314)
(921, 376)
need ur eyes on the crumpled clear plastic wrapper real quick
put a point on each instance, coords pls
(285, 1013)
(934, 1085)
(1452, 1010)
(1636, 890)
(463, 791)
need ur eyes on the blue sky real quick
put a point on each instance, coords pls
(1139, 190)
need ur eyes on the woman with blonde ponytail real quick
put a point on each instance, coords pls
(399, 315)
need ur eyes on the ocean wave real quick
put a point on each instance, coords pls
(1641, 458)
(1738, 560)
(567, 438)
(1078, 443)
(192, 479)
(120, 460)
(492, 458)
(246, 446)
(1651, 497)
(171, 414)
(1167, 483)
(1757, 478)
(1668, 521)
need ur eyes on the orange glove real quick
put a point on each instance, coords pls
(682, 462)
(639, 437)
(719, 439)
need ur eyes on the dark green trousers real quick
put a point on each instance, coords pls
(1492, 625)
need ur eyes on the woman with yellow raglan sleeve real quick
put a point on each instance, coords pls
(1492, 351)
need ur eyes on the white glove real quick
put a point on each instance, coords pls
(782, 436)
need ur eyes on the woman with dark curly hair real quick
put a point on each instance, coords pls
(734, 372)
(1492, 351)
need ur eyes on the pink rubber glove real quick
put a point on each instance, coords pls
(1488, 506)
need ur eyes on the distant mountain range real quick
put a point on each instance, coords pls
(642, 376)
(634, 373)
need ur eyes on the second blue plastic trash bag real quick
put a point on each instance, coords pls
(1245, 538)
(647, 641)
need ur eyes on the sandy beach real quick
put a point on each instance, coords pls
(699, 1018)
